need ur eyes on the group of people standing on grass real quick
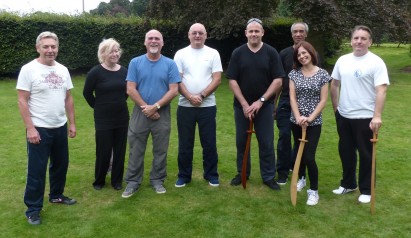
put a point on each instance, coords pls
(258, 77)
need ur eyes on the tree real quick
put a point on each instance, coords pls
(335, 18)
(221, 17)
(119, 8)
(139, 7)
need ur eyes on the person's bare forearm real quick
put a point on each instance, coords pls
(69, 103)
(134, 94)
(273, 89)
(335, 90)
(381, 92)
(213, 85)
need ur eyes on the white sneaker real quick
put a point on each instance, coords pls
(301, 184)
(342, 190)
(313, 197)
(364, 198)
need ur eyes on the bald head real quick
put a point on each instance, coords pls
(197, 35)
(154, 32)
(154, 42)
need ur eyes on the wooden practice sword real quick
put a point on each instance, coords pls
(294, 178)
(245, 158)
(374, 151)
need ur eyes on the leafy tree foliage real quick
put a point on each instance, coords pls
(139, 7)
(222, 18)
(335, 18)
(118, 8)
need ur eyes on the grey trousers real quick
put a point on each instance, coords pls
(140, 127)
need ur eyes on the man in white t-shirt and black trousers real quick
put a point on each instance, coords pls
(358, 107)
(200, 69)
(45, 103)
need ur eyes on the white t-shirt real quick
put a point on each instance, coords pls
(197, 67)
(359, 76)
(48, 87)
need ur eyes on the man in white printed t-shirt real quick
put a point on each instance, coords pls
(200, 69)
(45, 103)
(358, 106)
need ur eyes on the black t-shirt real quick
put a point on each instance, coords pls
(105, 91)
(287, 58)
(254, 72)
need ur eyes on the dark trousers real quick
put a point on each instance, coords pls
(285, 153)
(109, 143)
(355, 135)
(187, 118)
(53, 145)
(264, 131)
(308, 158)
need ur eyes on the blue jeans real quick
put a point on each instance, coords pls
(285, 155)
(264, 131)
(187, 118)
(53, 144)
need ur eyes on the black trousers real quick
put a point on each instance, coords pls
(109, 143)
(308, 157)
(355, 135)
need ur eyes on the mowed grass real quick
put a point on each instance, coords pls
(199, 210)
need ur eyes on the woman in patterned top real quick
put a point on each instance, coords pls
(308, 96)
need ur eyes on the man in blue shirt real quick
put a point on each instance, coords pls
(152, 82)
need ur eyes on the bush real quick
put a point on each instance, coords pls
(80, 36)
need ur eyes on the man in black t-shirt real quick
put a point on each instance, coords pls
(255, 73)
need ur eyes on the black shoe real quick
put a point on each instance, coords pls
(34, 219)
(272, 184)
(236, 180)
(97, 187)
(63, 200)
(118, 186)
(282, 180)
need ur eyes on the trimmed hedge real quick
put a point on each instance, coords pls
(80, 36)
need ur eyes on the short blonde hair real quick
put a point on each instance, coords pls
(106, 47)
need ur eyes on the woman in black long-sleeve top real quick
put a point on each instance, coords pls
(105, 92)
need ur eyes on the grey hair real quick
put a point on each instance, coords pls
(47, 34)
(302, 23)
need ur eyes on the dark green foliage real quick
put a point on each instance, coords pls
(117, 8)
(80, 36)
(222, 18)
(139, 7)
(388, 19)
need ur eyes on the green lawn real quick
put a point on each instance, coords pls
(199, 210)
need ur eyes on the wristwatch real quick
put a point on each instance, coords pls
(157, 105)
(262, 99)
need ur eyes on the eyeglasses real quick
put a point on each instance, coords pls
(194, 33)
(255, 20)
